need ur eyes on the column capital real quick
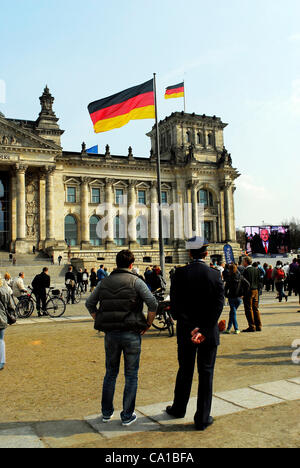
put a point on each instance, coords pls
(21, 168)
(85, 180)
(48, 170)
(132, 183)
(193, 184)
(109, 182)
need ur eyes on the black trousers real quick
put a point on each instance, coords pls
(41, 297)
(206, 357)
(71, 294)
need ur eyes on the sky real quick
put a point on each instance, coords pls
(240, 60)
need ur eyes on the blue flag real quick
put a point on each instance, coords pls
(229, 257)
(93, 150)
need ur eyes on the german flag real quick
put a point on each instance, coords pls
(176, 91)
(117, 110)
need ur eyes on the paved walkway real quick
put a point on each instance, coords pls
(150, 418)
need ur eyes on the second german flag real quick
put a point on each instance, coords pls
(117, 110)
(176, 91)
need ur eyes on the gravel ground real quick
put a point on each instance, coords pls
(54, 373)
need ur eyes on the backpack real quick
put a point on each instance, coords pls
(36, 282)
(280, 275)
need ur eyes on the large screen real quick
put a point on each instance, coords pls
(267, 240)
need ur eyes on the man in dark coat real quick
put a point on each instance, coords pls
(197, 301)
(40, 283)
(70, 282)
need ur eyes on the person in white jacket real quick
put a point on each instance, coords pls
(18, 286)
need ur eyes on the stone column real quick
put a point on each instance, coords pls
(222, 215)
(227, 190)
(13, 214)
(195, 220)
(232, 217)
(84, 213)
(215, 238)
(133, 244)
(42, 201)
(21, 209)
(219, 222)
(109, 213)
(50, 235)
(179, 216)
(154, 215)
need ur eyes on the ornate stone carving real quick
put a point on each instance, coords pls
(32, 208)
(130, 153)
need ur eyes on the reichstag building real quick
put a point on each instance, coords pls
(52, 200)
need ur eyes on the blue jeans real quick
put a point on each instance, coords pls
(234, 305)
(116, 343)
(280, 289)
(2, 347)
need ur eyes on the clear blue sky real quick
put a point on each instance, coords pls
(240, 60)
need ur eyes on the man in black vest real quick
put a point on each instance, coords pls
(197, 301)
(40, 283)
(121, 296)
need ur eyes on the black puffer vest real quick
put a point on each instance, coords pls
(120, 306)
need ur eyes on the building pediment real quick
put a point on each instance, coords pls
(15, 138)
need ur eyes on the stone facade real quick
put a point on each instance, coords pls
(56, 197)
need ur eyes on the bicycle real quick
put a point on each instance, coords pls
(55, 305)
(163, 320)
(77, 294)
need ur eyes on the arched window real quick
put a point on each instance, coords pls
(119, 230)
(71, 236)
(94, 239)
(142, 230)
(188, 137)
(205, 197)
(200, 138)
(210, 139)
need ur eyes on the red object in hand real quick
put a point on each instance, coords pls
(222, 325)
(197, 338)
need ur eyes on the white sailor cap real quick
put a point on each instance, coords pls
(197, 243)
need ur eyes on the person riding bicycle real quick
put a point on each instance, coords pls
(39, 284)
(18, 286)
(156, 280)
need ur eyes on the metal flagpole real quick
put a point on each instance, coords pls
(161, 241)
(184, 96)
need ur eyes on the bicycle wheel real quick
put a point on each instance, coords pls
(64, 294)
(55, 307)
(169, 321)
(25, 308)
(160, 322)
(77, 296)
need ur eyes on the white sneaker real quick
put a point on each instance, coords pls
(106, 419)
(128, 422)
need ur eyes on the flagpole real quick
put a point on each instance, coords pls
(161, 241)
(184, 97)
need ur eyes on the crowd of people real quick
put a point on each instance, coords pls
(246, 282)
(116, 304)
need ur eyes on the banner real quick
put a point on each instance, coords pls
(229, 257)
